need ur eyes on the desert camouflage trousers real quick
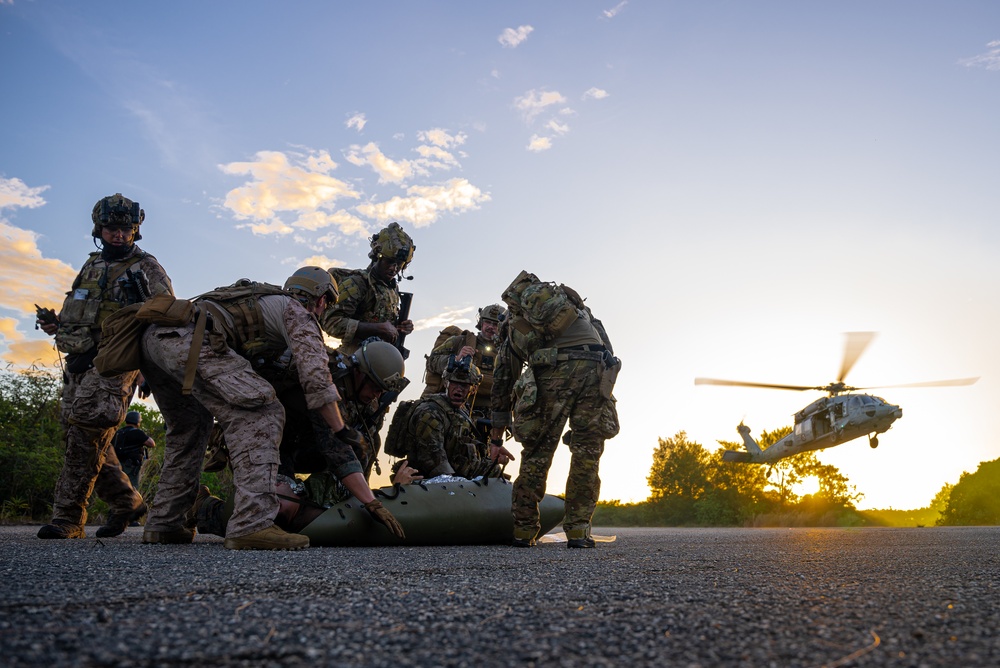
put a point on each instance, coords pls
(92, 407)
(246, 407)
(568, 391)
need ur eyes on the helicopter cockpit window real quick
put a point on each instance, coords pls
(856, 402)
(869, 401)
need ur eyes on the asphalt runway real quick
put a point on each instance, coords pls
(654, 597)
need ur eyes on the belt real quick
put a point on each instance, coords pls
(576, 354)
(591, 347)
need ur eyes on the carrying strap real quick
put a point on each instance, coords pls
(196, 340)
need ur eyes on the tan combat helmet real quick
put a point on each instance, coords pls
(383, 363)
(393, 243)
(462, 371)
(313, 283)
(495, 312)
(117, 211)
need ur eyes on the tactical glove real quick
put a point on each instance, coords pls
(351, 437)
(381, 515)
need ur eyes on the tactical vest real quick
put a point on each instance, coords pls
(240, 301)
(432, 379)
(90, 301)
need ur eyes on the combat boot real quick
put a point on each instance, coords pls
(271, 538)
(178, 536)
(117, 522)
(522, 542)
(581, 542)
(61, 529)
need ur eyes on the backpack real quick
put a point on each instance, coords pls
(240, 301)
(396, 440)
(432, 379)
(120, 349)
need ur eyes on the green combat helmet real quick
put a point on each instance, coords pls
(313, 283)
(392, 242)
(495, 312)
(117, 211)
(382, 362)
(462, 371)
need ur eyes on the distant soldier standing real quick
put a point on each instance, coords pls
(131, 445)
(555, 363)
(92, 407)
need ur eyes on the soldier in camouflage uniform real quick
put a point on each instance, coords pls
(440, 436)
(369, 299)
(308, 445)
(227, 387)
(92, 407)
(481, 345)
(555, 374)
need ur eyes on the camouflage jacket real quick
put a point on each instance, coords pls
(96, 294)
(485, 359)
(363, 298)
(441, 440)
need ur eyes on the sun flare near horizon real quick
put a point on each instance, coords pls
(806, 486)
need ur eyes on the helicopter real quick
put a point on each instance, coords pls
(843, 415)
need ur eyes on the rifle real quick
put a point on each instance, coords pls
(370, 422)
(45, 316)
(405, 300)
(134, 286)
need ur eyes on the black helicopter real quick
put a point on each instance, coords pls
(841, 416)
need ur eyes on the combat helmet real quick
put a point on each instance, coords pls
(133, 417)
(462, 371)
(313, 282)
(382, 362)
(117, 211)
(393, 243)
(495, 312)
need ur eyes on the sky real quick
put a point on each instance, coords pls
(731, 185)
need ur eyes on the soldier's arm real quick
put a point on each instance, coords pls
(505, 373)
(437, 361)
(156, 276)
(311, 359)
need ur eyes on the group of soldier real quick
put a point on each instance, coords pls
(245, 368)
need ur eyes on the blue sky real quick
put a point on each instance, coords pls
(732, 185)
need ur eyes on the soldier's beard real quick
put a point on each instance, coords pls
(112, 252)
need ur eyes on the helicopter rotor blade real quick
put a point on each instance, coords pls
(740, 383)
(853, 347)
(956, 382)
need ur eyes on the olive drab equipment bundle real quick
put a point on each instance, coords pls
(395, 439)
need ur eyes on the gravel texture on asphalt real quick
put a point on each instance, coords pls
(663, 597)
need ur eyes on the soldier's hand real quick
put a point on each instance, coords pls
(500, 454)
(49, 328)
(466, 351)
(351, 437)
(381, 515)
(405, 327)
(406, 474)
(387, 331)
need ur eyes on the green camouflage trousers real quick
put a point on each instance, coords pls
(569, 390)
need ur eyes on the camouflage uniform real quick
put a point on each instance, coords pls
(227, 387)
(485, 359)
(441, 440)
(562, 381)
(92, 407)
(363, 298)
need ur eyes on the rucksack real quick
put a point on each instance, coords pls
(549, 308)
(396, 440)
(240, 301)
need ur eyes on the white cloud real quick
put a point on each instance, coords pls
(595, 94)
(989, 60)
(534, 102)
(510, 38)
(356, 121)
(424, 205)
(288, 192)
(388, 170)
(314, 261)
(613, 12)
(455, 316)
(557, 127)
(442, 138)
(15, 194)
(539, 144)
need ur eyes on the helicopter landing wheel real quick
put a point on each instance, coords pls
(873, 442)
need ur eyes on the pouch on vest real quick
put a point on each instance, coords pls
(167, 310)
(526, 391)
(608, 377)
(395, 440)
(120, 350)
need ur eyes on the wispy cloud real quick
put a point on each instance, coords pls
(989, 60)
(595, 94)
(455, 316)
(535, 101)
(424, 205)
(388, 170)
(357, 121)
(510, 38)
(614, 11)
(538, 144)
